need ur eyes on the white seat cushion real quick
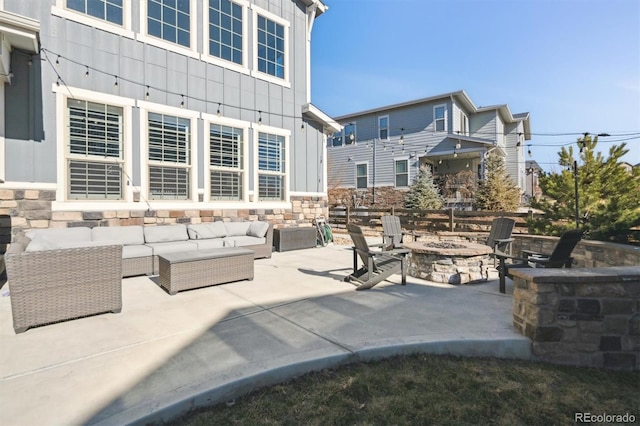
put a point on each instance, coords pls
(172, 247)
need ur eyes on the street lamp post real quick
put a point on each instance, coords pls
(575, 180)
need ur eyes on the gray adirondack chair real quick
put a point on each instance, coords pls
(392, 235)
(377, 265)
(560, 257)
(500, 235)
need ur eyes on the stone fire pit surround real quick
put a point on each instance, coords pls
(448, 261)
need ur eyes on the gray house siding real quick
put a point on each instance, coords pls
(148, 75)
(483, 125)
(203, 84)
(448, 152)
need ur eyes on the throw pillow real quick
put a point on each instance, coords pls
(258, 229)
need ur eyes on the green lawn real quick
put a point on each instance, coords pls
(426, 389)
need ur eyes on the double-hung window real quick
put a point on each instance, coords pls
(464, 124)
(169, 157)
(170, 20)
(362, 177)
(226, 30)
(402, 172)
(440, 118)
(226, 163)
(94, 151)
(271, 167)
(107, 10)
(271, 47)
(383, 127)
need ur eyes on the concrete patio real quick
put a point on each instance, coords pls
(164, 354)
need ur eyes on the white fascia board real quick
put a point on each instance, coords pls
(20, 31)
(315, 114)
(320, 6)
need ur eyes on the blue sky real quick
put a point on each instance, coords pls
(574, 65)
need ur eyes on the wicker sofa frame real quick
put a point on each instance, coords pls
(56, 285)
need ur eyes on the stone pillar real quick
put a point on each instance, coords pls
(587, 317)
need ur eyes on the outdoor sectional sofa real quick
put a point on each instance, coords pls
(64, 273)
(141, 245)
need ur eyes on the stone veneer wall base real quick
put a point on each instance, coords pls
(31, 209)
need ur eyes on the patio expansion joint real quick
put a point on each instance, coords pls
(342, 346)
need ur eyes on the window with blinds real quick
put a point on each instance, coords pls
(271, 166)
(169, 157)
(226, 162)
(94, 150)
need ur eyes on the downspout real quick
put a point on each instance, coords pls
(373, 190)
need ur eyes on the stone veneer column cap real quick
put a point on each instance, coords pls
(579, 275)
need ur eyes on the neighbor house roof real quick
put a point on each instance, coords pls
(462, 98)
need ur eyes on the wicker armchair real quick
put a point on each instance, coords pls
(56, 285)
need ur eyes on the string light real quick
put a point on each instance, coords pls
(302, 127)
(115, 84)
(146, 95)
(259, 117)
(86, 74)
(218, 113)
(58, 60)
(455, 154)
(402, 135)
(58, 82)
(182, 102)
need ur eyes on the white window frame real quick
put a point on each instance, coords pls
(191, 51)
(464, 123)
(380, 118)
(435, 120)
(206, 57)
(366, 163)
(395, 172)
(127, 104)
(145, 109)
(286, 82)
(345, 137)
(261, 128)
(210, 119)
(60, 9)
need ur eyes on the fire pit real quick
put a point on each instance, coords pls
(448, 262)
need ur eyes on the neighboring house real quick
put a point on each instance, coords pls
(159, 111)
(628, 167)
(533, 171)
(378, 154)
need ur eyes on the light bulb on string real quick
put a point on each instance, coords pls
(115, 84)
(86, 73)
(182, 102)
(218, 113)
(146, 95)
(259, 117)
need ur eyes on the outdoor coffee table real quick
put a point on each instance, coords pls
(195, 269)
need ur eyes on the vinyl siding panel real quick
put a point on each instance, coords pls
(419, 136)
(203, 84)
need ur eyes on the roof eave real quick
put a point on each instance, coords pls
(313, 113)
